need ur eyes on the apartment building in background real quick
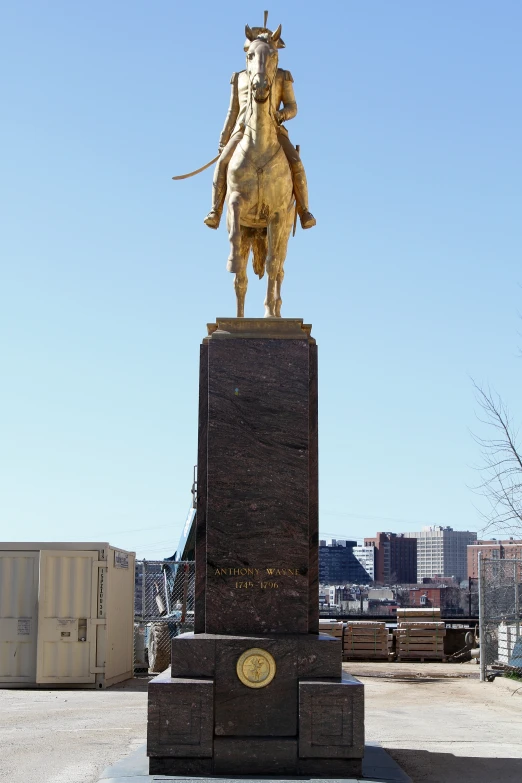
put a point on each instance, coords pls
(395, 558)
(338, 564)
(366, 557)
(495, 550)
(442, 551)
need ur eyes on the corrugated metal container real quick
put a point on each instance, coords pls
(66, 614)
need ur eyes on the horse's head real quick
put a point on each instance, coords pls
(261, 62)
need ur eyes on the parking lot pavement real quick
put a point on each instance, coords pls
(436, 720)
(441, 724)
(69, 736)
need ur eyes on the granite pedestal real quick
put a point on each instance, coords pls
(256, 690)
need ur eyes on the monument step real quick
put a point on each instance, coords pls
(377, 766)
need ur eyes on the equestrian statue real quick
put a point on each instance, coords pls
(259, 172)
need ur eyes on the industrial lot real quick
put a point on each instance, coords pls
(437, 721)
(425, 703)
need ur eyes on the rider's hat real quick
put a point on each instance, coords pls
(273, 38)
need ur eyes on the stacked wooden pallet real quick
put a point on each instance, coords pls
(420, 639)
(419, 611)
(366, 640)
(332, 628)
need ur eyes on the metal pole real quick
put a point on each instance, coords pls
(517, 599)
(186, 568)
(143, 589)
(166, 588)
(482, 629)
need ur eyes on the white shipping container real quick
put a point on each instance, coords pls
(66, 614)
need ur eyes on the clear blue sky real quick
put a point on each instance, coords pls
(409, 122)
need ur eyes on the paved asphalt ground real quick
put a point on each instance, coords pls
(69, 736)
(436, 720)
(441, 724)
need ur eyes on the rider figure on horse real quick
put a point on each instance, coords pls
(281, 94)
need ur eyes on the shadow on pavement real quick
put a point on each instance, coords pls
(426, 767)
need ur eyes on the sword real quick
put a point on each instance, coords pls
(198, 171)
(297, 146)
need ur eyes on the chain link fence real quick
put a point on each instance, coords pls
(500, 620)
(163, 609)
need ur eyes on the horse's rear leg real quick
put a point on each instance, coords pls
(240, 286)
(241, 279)
(274, 267)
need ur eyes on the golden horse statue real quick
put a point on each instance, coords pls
(260, 195)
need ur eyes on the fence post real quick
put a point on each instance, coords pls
(517, 599)
(482, 629)
(166, 588)
(143, 589)
(185, 592)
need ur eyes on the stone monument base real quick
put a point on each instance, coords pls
(205, 720)
(268, 698)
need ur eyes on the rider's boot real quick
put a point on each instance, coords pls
(301, 195)
(213, 218)
(219, 187)
(307, 219)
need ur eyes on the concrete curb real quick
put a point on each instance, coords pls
(378, 767)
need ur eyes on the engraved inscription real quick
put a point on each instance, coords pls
(237, 571)
(258, 572)
(260, 578)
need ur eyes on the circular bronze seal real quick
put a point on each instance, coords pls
(256, 668)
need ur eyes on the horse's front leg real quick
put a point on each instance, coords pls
(274, 268)
(234, 232)
(278, 300)
(270, 298)
(240, 286)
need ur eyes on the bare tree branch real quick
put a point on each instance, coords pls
(501, 465)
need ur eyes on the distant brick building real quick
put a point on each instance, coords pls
(395, 558)
(501, 550)
(437, 580)
(441, 596)
(336, 594)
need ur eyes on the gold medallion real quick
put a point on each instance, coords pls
(256, 668)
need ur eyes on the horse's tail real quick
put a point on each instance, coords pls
(254, 239)
(259, 249)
